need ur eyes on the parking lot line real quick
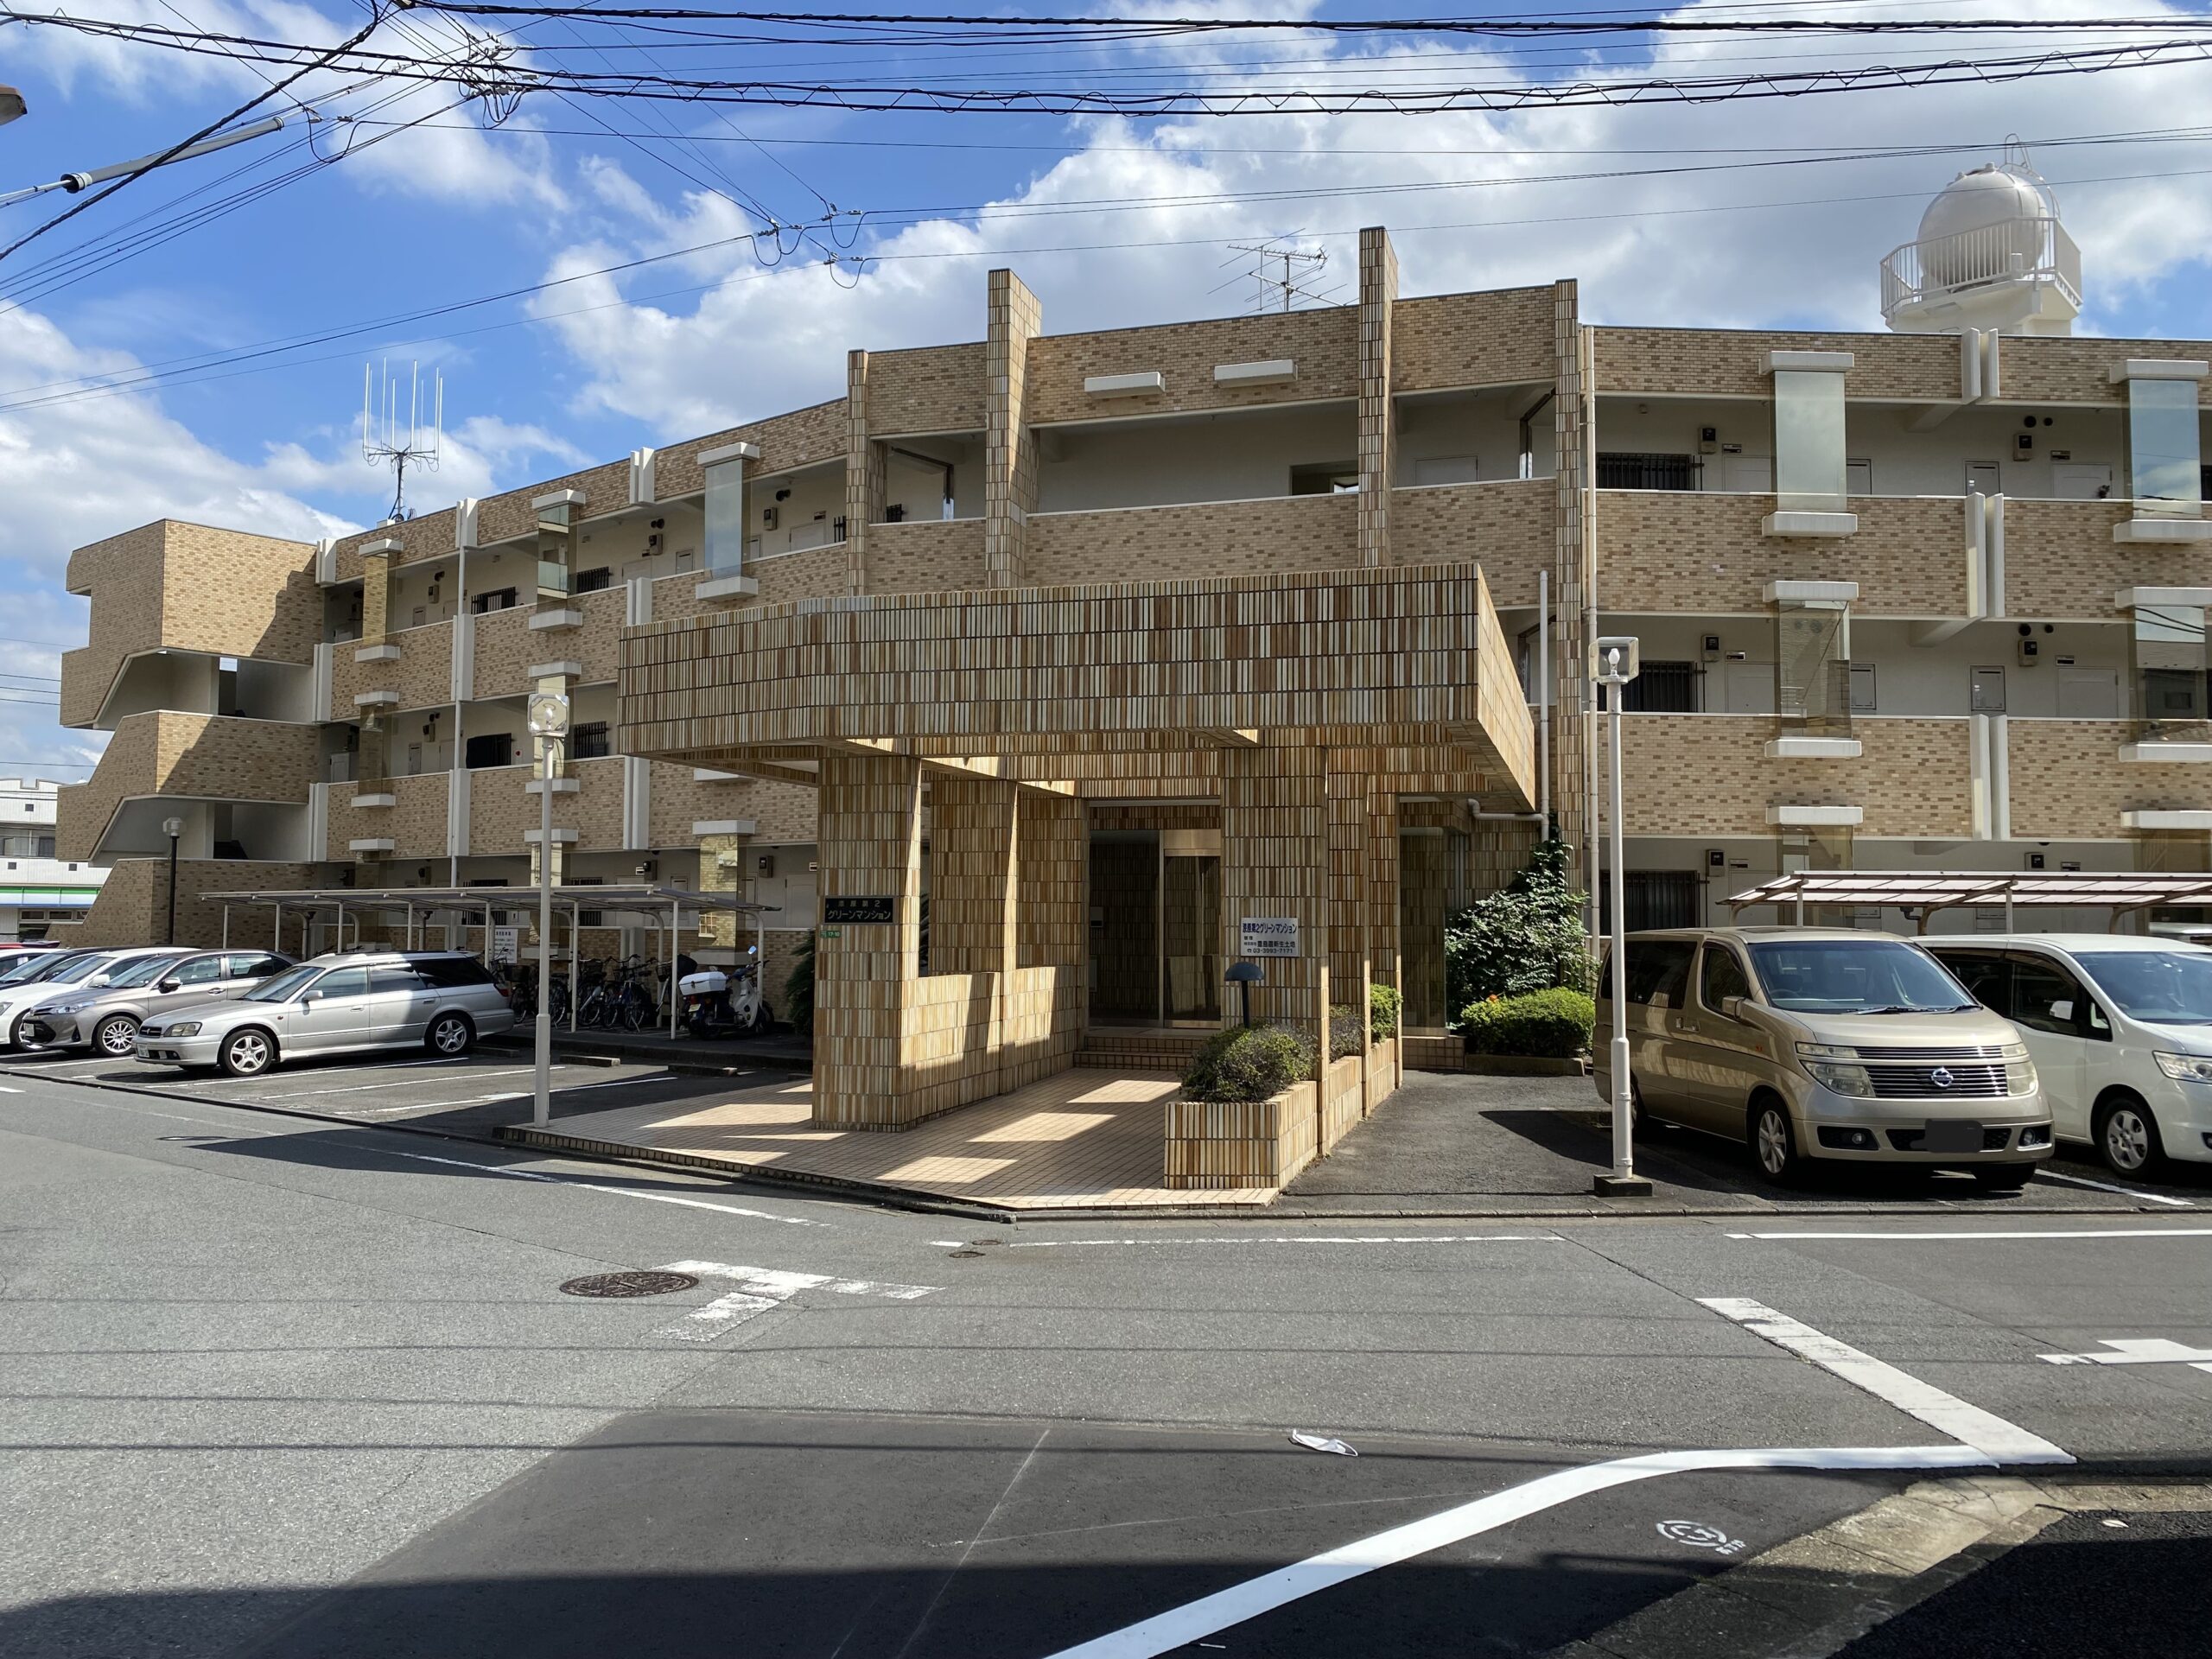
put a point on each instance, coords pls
(596, 1186)
(2056, 1232)
(2106, 1187)
(1947, 1413)
(394, 1083)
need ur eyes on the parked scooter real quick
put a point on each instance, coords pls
(717, 1003)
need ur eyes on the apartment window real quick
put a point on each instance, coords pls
(2165, 467)
(1326, 478)
(593, 582)
(31, 846)
(492, 749)
(2172, 657)
(1657, 899)
(1661, 688)
(500, 599)
(1808, 459)
(591, 740)
(1623, 471)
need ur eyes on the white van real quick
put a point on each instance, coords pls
(2121, 1029)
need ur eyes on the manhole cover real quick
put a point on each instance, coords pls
(628, 1284)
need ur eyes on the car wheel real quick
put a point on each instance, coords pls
(2127, 1137)
(117, 1035)
(246, 1054)
(2001, 1177)
(451, 1035)
(1774, 1143)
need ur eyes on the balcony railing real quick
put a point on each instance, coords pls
(1945, 265)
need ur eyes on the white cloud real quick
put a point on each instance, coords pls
(1648, 248)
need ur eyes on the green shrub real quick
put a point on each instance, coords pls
(1249, 1063)
(1549, 1025)
(1382, 1011)
(1344, 1036)
(1525, 937)
(798, 989)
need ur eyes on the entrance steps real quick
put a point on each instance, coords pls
(1139, 1048)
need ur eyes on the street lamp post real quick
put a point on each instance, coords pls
(172, 828)
(1613, 663)
(549, 724)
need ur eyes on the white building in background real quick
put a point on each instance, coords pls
(37, 890)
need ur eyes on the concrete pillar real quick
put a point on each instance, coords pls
(1378, 294)
(1274, 844)
(721, 869)
(1009, 448)
(1050, 1002)
(376, 598)
(1574, 572)
(869, 842)
(863, 474)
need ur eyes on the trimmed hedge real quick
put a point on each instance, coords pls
(1382, 1011)
(1249, 1063)
(1344, 1032)
(1547, 1025)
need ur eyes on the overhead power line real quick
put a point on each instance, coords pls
(1518, 96)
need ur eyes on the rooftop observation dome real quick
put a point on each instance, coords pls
(1991, 254)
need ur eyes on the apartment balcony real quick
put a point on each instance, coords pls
(1267, 536)
(415, 663)
(158, 756)
(2070, 780)
(2061, 562)
(1711, 775)
(504, 808)
(1506, 527)
(1698, 551)
(923, 555)
(389, 818)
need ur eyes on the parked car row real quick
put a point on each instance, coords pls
(1972, 1053)
(245, 1011)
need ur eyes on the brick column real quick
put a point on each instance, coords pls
(1051, 1000)
(1009, 448)
(863, 474)
(1274, 845)
(1573, 575)
(1350, 959)
(376, 598)
(869, 841)
(1378, 294)
(1383, 908)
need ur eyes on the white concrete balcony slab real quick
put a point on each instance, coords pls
(531, 837)
(727, 588)
(1817, 817)
(1813, 748)
(565, 670)
(371, 844)
(1810, 524)
(724, 826)
(561, 786)
(2166, 532)
(2167, 753)
(1811, 593)
(376, 699)
(2150, 818)
(1271, 372)
(384, 653)
(1143, 384)
(553, 620)
(365, 802)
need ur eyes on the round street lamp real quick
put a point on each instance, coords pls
(174, 829)
(12, 107)
(547, 720)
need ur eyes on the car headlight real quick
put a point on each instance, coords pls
(59, 1007)
(183, 1028)
(2186, 1068)
(1835, 1068)
(2019, 1077)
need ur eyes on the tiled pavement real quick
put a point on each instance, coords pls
(1084, 1139)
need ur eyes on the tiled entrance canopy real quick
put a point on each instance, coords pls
(1365, 658)
(1305, 703)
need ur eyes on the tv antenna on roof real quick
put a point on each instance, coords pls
(1301, 270)
(386, 441)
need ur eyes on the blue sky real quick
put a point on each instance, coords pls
(587, 371)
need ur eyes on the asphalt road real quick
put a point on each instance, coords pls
(283, 1387)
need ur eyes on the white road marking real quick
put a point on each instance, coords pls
(394, 1083)
(2106, 1187)
(760, 1289)
(1308, 1238)
(1181, 1626)
(2140, 1351)
(2002, 1442)
(595, 1187)
(325, 1071)
(2076, 1232)
(10, 1091)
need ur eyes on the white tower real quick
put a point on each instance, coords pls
(1991, 254)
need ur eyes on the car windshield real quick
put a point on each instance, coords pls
(32, 964)
(144, 972)
(1856, 976)
(76, 972)
(283, 988)
(2163, 988)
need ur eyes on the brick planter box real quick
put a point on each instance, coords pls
(1217, 1143)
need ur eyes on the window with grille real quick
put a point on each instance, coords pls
(591, 739)
(1625, 471)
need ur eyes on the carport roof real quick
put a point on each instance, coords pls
(608, 896)
(1941, 890)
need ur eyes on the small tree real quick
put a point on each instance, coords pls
(1526, 937)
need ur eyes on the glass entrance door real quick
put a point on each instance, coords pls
(1190, 937)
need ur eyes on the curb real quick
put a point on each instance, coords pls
(1812, 1597)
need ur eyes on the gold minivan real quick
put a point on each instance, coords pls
(1809, 1043)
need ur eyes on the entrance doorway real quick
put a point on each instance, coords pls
(1155, 927)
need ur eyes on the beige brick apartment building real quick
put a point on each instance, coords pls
(1109, 642)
